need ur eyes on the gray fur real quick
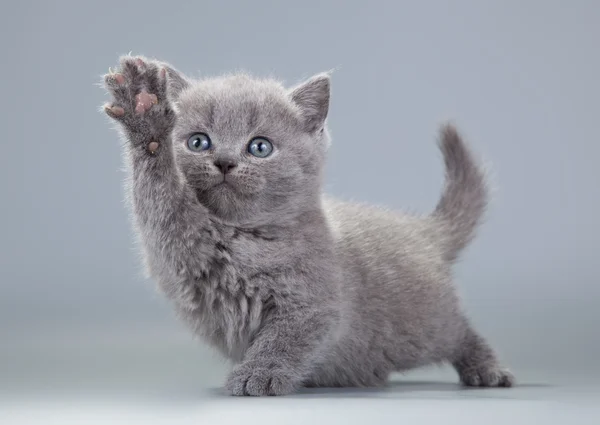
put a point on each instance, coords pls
(295, 288)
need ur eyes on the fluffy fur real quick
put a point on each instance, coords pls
(295, 288)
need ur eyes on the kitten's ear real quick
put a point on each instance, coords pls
(177, 82)
(312, 97)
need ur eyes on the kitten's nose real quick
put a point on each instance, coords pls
(225, 165)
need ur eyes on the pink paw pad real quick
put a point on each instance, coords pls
(119, 78)
(144, 101)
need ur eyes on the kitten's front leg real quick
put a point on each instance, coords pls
(140, 104)
(283, 354)
(174, 227)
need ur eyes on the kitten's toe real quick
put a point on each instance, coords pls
(478, 366)
(114, 111)
(114, 79)
(115, 83)
(258, 383)
(132, 67)
(246, 380)
(506, 379)
(487, 376)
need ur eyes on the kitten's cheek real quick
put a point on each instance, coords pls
(201, 180)
(255, 187)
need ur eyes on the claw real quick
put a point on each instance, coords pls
(110, 71)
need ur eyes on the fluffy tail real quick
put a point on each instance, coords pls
(465, 195)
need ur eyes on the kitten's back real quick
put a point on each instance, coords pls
(441, 235)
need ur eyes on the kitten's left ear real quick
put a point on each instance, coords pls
(177, 82)
(312, 97)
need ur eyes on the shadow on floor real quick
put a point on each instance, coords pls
(407, 389)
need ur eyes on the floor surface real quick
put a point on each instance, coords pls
(148, 379)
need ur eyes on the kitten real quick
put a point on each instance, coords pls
(295, 288)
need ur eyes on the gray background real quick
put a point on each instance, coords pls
(520, 79)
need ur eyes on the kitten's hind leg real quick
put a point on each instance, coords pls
(477, 365)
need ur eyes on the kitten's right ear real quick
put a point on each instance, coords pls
(177, 82)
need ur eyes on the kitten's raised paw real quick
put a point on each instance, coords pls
(487, 376)
(139, 91)
(246, 380)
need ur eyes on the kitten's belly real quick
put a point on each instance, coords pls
(402, 310)
(377, 342)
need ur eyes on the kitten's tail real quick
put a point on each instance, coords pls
(465, 195)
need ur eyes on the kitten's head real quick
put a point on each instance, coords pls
(251, 149)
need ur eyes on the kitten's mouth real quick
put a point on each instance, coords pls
(224, 183)
(226, 180)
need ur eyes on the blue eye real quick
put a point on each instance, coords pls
(199, 142)
(260, 147)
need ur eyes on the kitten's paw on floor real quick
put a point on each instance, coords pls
(487, 376)
(246, 380)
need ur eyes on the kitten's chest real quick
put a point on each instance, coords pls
(251, 252)
(230, 313)
(237, 290)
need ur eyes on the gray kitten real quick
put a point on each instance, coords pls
(296, 289)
